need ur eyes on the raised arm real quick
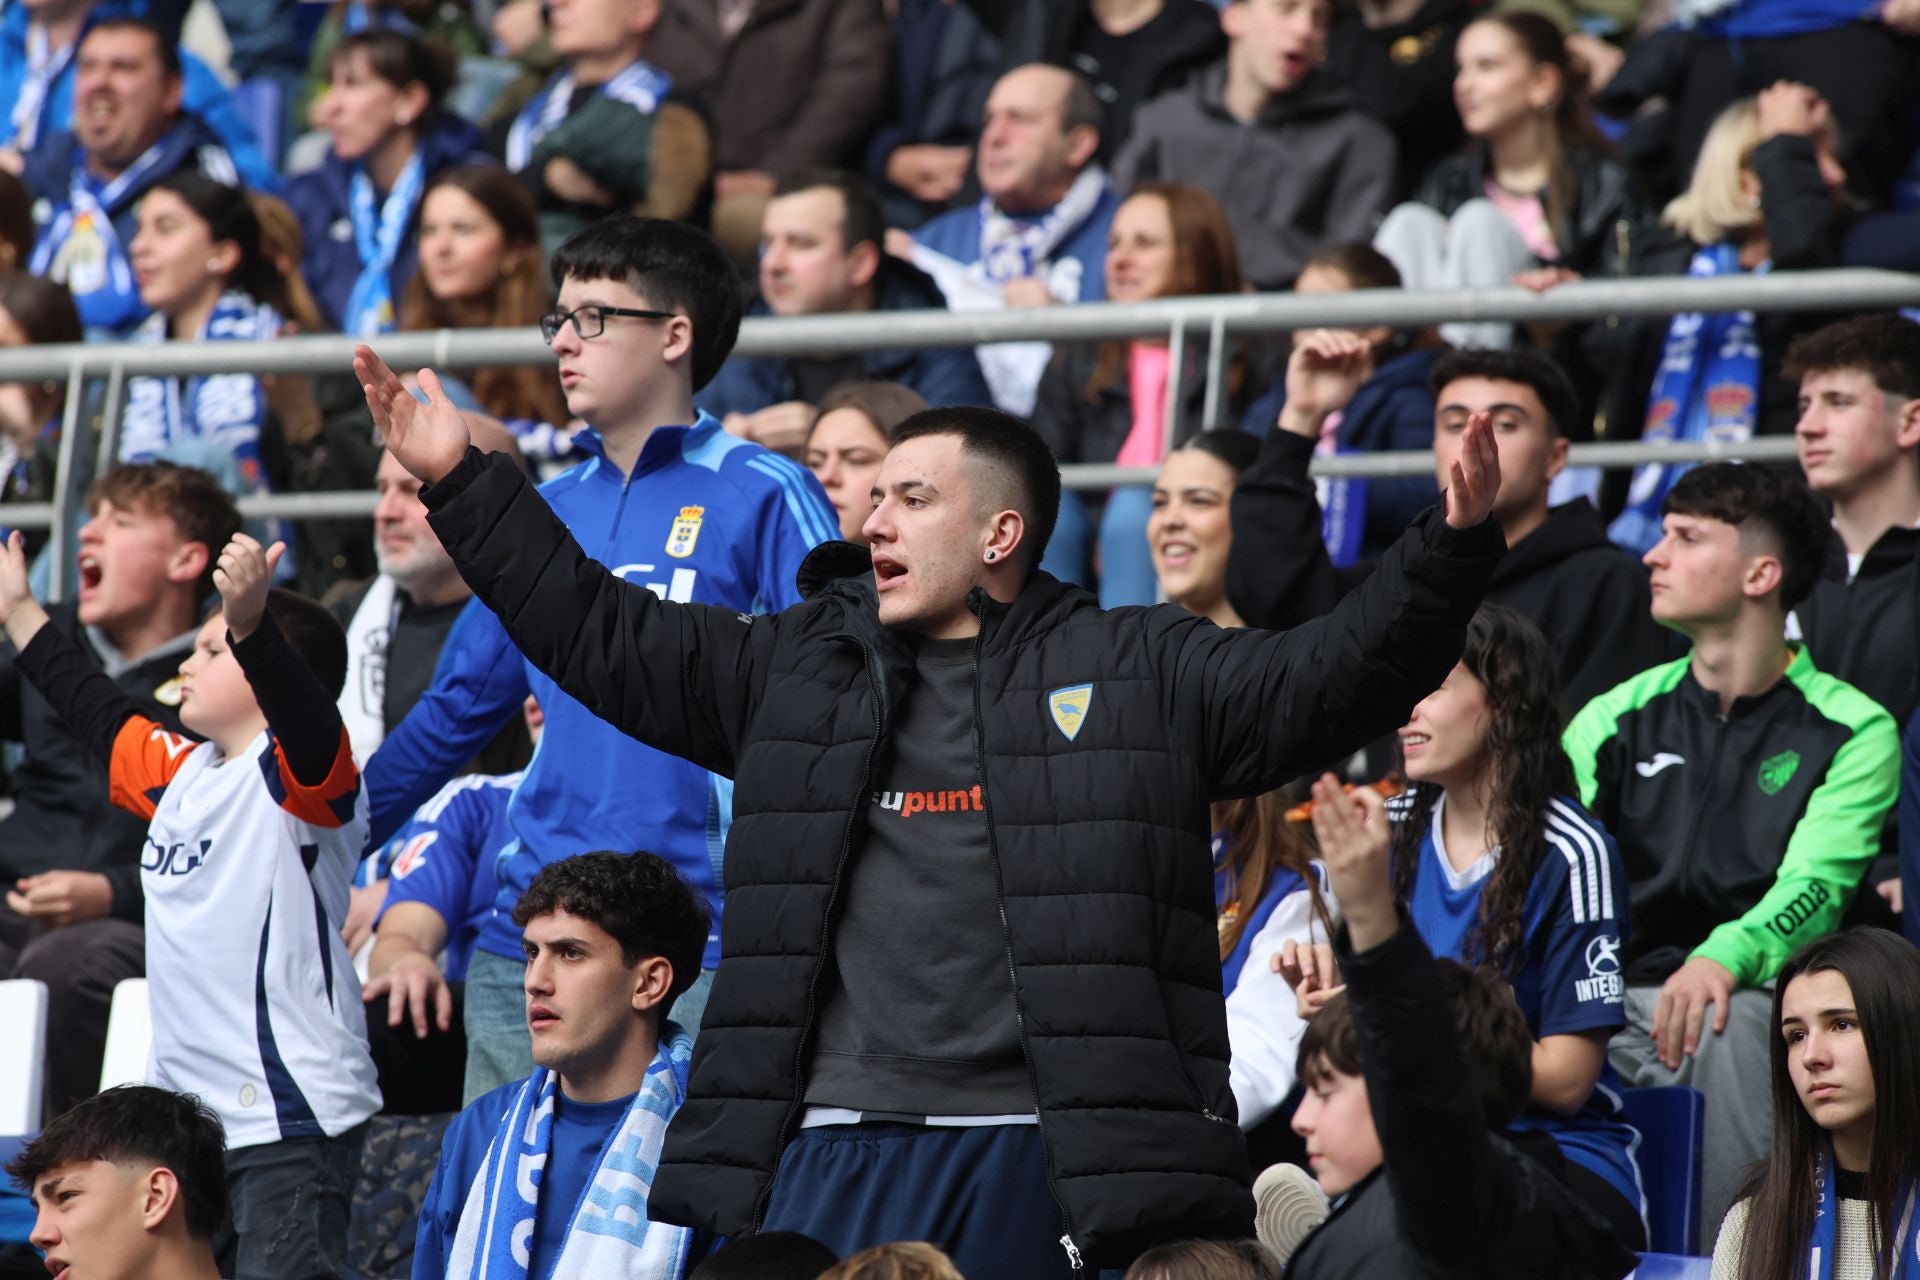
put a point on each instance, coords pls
(680, 678)
(1259, 707)
(1454, 1192)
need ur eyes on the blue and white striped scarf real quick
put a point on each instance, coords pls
(640, 85)
(376, 237)
(608, 1234)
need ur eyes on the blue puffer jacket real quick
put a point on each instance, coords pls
(332, 262)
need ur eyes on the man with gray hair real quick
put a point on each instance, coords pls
(1039, 232)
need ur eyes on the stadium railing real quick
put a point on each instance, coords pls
(1200, 325)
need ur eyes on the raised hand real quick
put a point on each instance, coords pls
(1351, 829)
(20, 613)
(427, 439)
(243, 575)
(1323, 374)
(416, 991)
(1476, 474)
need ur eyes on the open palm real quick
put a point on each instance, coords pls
(427, 439)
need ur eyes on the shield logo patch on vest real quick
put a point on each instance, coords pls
(1069, 706)
(1777, 771)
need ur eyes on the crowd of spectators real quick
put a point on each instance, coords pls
(1668, 796)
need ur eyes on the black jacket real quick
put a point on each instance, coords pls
(1867, 631)
(1402, 75)
(1100, 840)
(61, 820)
(1452, 1199)
(1588, 233)
(1586, 595)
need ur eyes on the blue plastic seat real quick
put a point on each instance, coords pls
(1670, 1120)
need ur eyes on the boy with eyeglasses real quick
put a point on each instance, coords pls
(647, 312)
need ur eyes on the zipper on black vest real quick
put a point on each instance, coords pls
(1006, 933)
(855, 814)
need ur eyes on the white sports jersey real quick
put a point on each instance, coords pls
(256, 1008)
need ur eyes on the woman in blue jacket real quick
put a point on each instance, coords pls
(359, 211)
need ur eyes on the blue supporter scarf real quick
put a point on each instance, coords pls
(1707, 389)
(1820, 1250)
(377, 237)
(81, 249)
(640, 85)
(44, 65)
(609, 1236)
(210, 420)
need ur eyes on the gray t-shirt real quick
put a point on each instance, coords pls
(917, 1015)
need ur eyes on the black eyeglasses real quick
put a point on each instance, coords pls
(590, 321)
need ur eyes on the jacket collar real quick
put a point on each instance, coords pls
(1708, 702)
(664, 445)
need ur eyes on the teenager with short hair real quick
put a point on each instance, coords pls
(74, 907)
(1835, 1196)
(1412, 1073)
(611, 941)
(131, 1183)
(1585, 594)
(1297, 162)
(647, 312)
(1747, 790)
(1859, 443)
(251, 844)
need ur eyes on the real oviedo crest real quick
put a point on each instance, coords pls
(685, 532)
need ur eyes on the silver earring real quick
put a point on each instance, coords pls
(989, 555)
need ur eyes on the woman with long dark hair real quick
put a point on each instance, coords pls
(1537, 186)
(1837, 1195)
(1189, 532)
(199, 264)
(1501, 867)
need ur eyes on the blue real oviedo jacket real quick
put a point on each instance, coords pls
(1096, 817)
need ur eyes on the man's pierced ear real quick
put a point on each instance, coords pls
(992, 554)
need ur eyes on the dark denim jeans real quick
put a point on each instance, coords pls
(291, 1200)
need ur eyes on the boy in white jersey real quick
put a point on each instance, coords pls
(251, 844)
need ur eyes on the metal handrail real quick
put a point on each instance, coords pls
(1201, 320)
(1850, 289)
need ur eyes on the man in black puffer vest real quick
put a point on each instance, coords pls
(970, 981)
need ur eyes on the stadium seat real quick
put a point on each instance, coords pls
(23, 1055)
(1672, 1266)
(1669, 1120)
(129, 1033)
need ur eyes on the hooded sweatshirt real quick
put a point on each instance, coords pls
(1313, 170)
(1586, 595)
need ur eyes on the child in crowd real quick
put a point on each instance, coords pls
(127, 1184)
(252, 840)
(1835, 1197)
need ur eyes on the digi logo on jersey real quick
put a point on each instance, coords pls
(178, 859)
(679, 588)
(1603, 980)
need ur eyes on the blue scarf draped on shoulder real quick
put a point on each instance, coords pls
(1707, 390)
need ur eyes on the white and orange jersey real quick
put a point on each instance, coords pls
(256, 1007)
